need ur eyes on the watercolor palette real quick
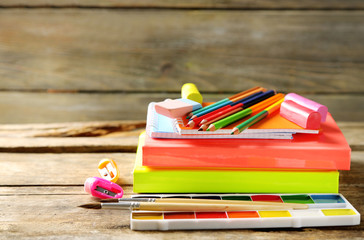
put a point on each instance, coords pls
(324, 210)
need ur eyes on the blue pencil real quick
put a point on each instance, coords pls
(229, 99)
(249, 101)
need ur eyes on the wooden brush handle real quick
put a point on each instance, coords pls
(235, 202)
(202, 207)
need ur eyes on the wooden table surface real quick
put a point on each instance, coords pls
(43, 168)
(91, 60)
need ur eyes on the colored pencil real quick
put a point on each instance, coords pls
(234, 99)
(244, 103)
(197, 120)
(261, 115)
(265, 102)
(223, 100)
(205, 125)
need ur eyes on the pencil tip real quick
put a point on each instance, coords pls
(190, 124)
(235, 131)
(91, 206)
(200, 129)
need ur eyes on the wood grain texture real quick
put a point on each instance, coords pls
(12, 139)
(221, 51)
(74, 145)
(74, 169)
(60, 169)
(25, 107)
(57, 216)
(196, 4)
(39, 195)
(75, 129)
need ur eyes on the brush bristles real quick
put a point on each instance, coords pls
(91, 205)
(109, 200)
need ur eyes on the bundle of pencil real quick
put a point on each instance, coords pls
(254, 101)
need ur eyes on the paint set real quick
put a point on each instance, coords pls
(323, 210)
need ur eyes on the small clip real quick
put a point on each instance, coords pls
(108, 169)
(102, 188)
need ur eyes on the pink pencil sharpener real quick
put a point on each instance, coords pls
(102, 188)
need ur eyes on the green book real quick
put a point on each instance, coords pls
(228, 180)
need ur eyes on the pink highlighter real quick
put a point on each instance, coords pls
(102, 188)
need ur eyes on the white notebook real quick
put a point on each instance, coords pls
(159, 126)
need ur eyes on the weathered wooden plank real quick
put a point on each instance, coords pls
(352, 130)
(353, 133)
(74, 145)
(195, 4)
(75, 129)
(60, 169)
(50, 190)
(73, 169)
(11, 139)
(25, 107)
(221, 51)
(49, 215)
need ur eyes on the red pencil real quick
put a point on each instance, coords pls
(236, 97)
(197, 120)
(205, 125)
(221, 112)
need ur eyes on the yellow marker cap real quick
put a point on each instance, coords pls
(190, 91)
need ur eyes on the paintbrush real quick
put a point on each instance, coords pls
(205, 201)
(176, 206)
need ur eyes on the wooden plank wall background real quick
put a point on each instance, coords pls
(74, 60)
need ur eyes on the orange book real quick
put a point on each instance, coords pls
(327, 150)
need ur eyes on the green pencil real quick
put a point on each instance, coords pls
(243, 113)
(253, 120)
(228, 120)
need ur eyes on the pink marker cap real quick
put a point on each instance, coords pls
(102, 188)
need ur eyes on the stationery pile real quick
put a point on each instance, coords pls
(273, 155)
(273, 159)
(257, 141)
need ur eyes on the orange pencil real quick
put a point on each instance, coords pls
(261, 115)
(205, 125)
(229, 101)
(196, 120)
(244, 113)
(221, 101)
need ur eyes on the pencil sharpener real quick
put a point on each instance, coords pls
(102, 188)
(108, 169)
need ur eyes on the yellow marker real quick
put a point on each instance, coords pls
(190, 91)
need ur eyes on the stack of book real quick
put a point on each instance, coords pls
(273, 156)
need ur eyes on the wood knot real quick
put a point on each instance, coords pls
(166, 67)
